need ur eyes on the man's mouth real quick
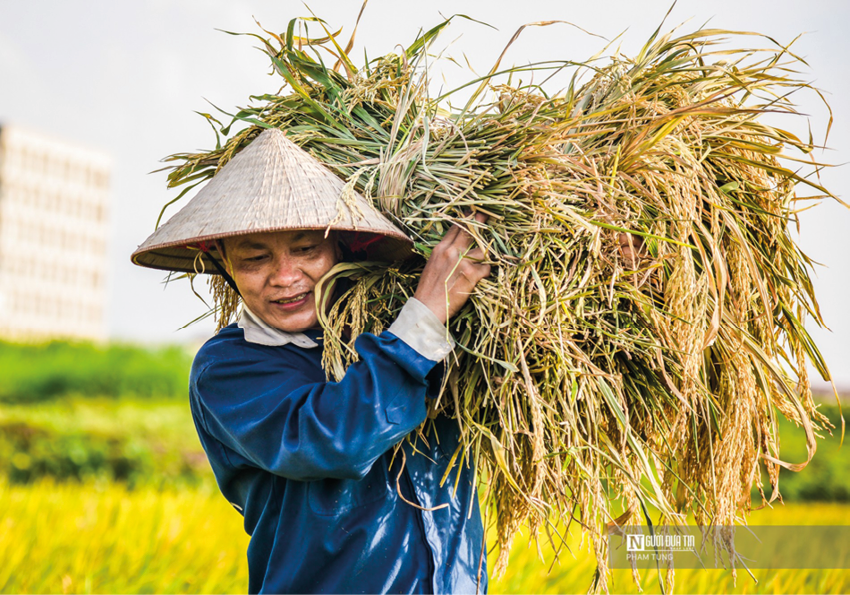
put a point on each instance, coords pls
(291, 300)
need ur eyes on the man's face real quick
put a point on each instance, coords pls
(277, 272)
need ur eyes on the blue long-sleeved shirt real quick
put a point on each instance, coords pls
(309, 464)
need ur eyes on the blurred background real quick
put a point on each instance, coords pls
(103, 485)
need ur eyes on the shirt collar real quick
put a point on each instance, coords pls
(257, 331)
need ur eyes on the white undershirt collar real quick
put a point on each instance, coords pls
(257, 331)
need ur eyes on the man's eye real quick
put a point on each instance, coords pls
(255, 258)
(304, 248)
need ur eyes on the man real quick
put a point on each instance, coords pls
(330, 505)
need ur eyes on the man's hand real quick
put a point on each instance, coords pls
(452, 272)
(631, 249)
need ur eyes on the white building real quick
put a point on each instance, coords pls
(54, 199)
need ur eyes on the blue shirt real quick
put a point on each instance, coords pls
(310, 465)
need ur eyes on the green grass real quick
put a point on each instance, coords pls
(35, 372)
(827, 477)
(165, 420)
(157, 438)
(136, 441)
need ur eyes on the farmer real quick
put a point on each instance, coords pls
(310, 464)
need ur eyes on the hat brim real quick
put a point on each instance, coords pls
(194, 256)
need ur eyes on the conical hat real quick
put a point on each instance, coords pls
(271, 185)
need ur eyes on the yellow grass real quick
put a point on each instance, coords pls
(527, 574)
(66, 538)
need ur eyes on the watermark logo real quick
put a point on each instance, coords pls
(657, 547)
(722, 546)
(634, 543)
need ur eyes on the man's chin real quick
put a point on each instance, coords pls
(296, 321)
(293, 324)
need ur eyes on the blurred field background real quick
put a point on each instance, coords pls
(104, 488)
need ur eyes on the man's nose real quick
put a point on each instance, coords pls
(287, 272)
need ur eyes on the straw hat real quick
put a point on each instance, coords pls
(271, 185)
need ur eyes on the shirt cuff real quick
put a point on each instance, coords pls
(420, 328)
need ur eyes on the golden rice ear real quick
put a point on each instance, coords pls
(226, 301)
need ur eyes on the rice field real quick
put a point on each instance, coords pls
(104, 538)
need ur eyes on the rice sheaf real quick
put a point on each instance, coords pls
(590, 387)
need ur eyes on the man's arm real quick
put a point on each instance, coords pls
(266, 409)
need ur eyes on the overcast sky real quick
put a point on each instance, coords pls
(125, 78)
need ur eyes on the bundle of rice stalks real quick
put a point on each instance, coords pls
(590, 381)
